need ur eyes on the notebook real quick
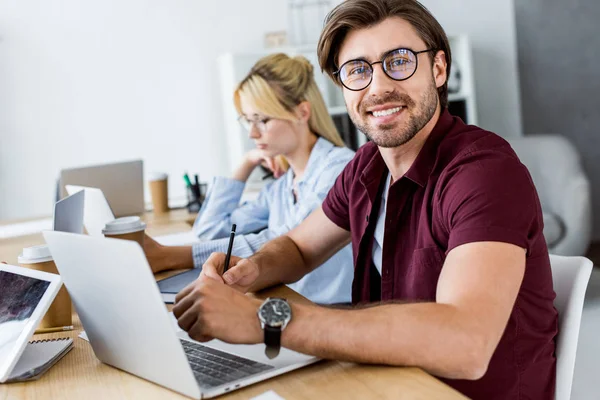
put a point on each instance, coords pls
(38, 357)
(169, 287)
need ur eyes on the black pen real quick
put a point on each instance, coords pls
(268, 175)
(228, 255)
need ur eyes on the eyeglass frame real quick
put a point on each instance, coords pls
(416, 53)
(257, 123)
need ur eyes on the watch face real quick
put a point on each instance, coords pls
(275, 312)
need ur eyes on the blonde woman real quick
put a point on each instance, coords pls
(284, 113)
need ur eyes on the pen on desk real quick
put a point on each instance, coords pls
(228, 255)
(52, 330)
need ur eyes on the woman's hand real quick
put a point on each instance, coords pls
(162, 258)
(253, 159)
(272, 164)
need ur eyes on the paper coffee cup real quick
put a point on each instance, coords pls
(128, 228)
(159, 191)
(59, 315)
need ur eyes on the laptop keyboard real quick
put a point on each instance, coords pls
(214, 368)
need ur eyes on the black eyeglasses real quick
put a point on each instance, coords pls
(399, 65)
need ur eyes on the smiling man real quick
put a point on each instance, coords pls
(452, 273)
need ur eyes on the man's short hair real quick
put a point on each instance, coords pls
(359, 14)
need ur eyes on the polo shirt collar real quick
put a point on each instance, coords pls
(422, 166)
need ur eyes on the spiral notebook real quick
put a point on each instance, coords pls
(38, 357)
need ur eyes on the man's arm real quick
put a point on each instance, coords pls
(285, 259)
(454, 337)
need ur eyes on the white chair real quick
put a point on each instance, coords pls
(563, 188)
(570, 277)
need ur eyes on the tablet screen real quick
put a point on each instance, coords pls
(19, 297)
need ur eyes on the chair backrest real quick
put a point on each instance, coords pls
(570, 276)
(551, 160)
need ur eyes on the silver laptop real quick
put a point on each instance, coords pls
(122, 184)
(122, 312)
(68, 213)
(96, 211)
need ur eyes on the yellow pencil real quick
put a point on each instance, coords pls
(57, 329)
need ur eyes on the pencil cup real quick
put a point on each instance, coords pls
(194, 202)
(128, 228)
(159, 191)
(59, 315)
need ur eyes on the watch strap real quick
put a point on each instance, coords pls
(272, 340)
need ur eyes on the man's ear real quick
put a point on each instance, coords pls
(303, 111)
(440, 68)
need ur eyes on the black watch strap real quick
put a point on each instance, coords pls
(272, 340)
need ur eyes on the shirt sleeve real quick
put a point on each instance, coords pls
(309, 199)
(489, 196)
(222, 208)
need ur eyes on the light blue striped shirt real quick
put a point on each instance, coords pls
(274, 213)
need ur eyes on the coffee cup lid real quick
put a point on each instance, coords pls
(156, 176)
(121, 226)
(35, 254)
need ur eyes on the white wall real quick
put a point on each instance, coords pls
(490, 25)
(92, 82)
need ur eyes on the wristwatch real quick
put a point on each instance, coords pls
(274, 315)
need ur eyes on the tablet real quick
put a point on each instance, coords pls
(26, 296)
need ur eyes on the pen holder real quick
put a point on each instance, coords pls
(193, 201)
(195, 197)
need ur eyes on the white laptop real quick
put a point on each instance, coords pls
(122, 312)
(96, 210)
(68, 213)
(122, 184)
(25, 296)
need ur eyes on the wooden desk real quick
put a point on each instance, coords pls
(81, 375)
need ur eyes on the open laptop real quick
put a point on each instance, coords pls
(122, 312)
(122, 184)
(96, 210)
(68, 213)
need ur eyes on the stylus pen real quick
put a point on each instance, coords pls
(228, 255)
(57, 329)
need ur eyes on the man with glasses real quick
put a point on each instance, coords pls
(452, 272)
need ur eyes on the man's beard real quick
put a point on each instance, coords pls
(394, 135)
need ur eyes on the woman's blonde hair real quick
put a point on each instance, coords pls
(277, 83)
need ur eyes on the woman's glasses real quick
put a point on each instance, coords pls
(259, 123)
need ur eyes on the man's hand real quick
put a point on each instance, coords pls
(162, 258)
(241, 274)
(207, 309)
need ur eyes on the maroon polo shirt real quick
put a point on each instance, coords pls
(466, 185)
